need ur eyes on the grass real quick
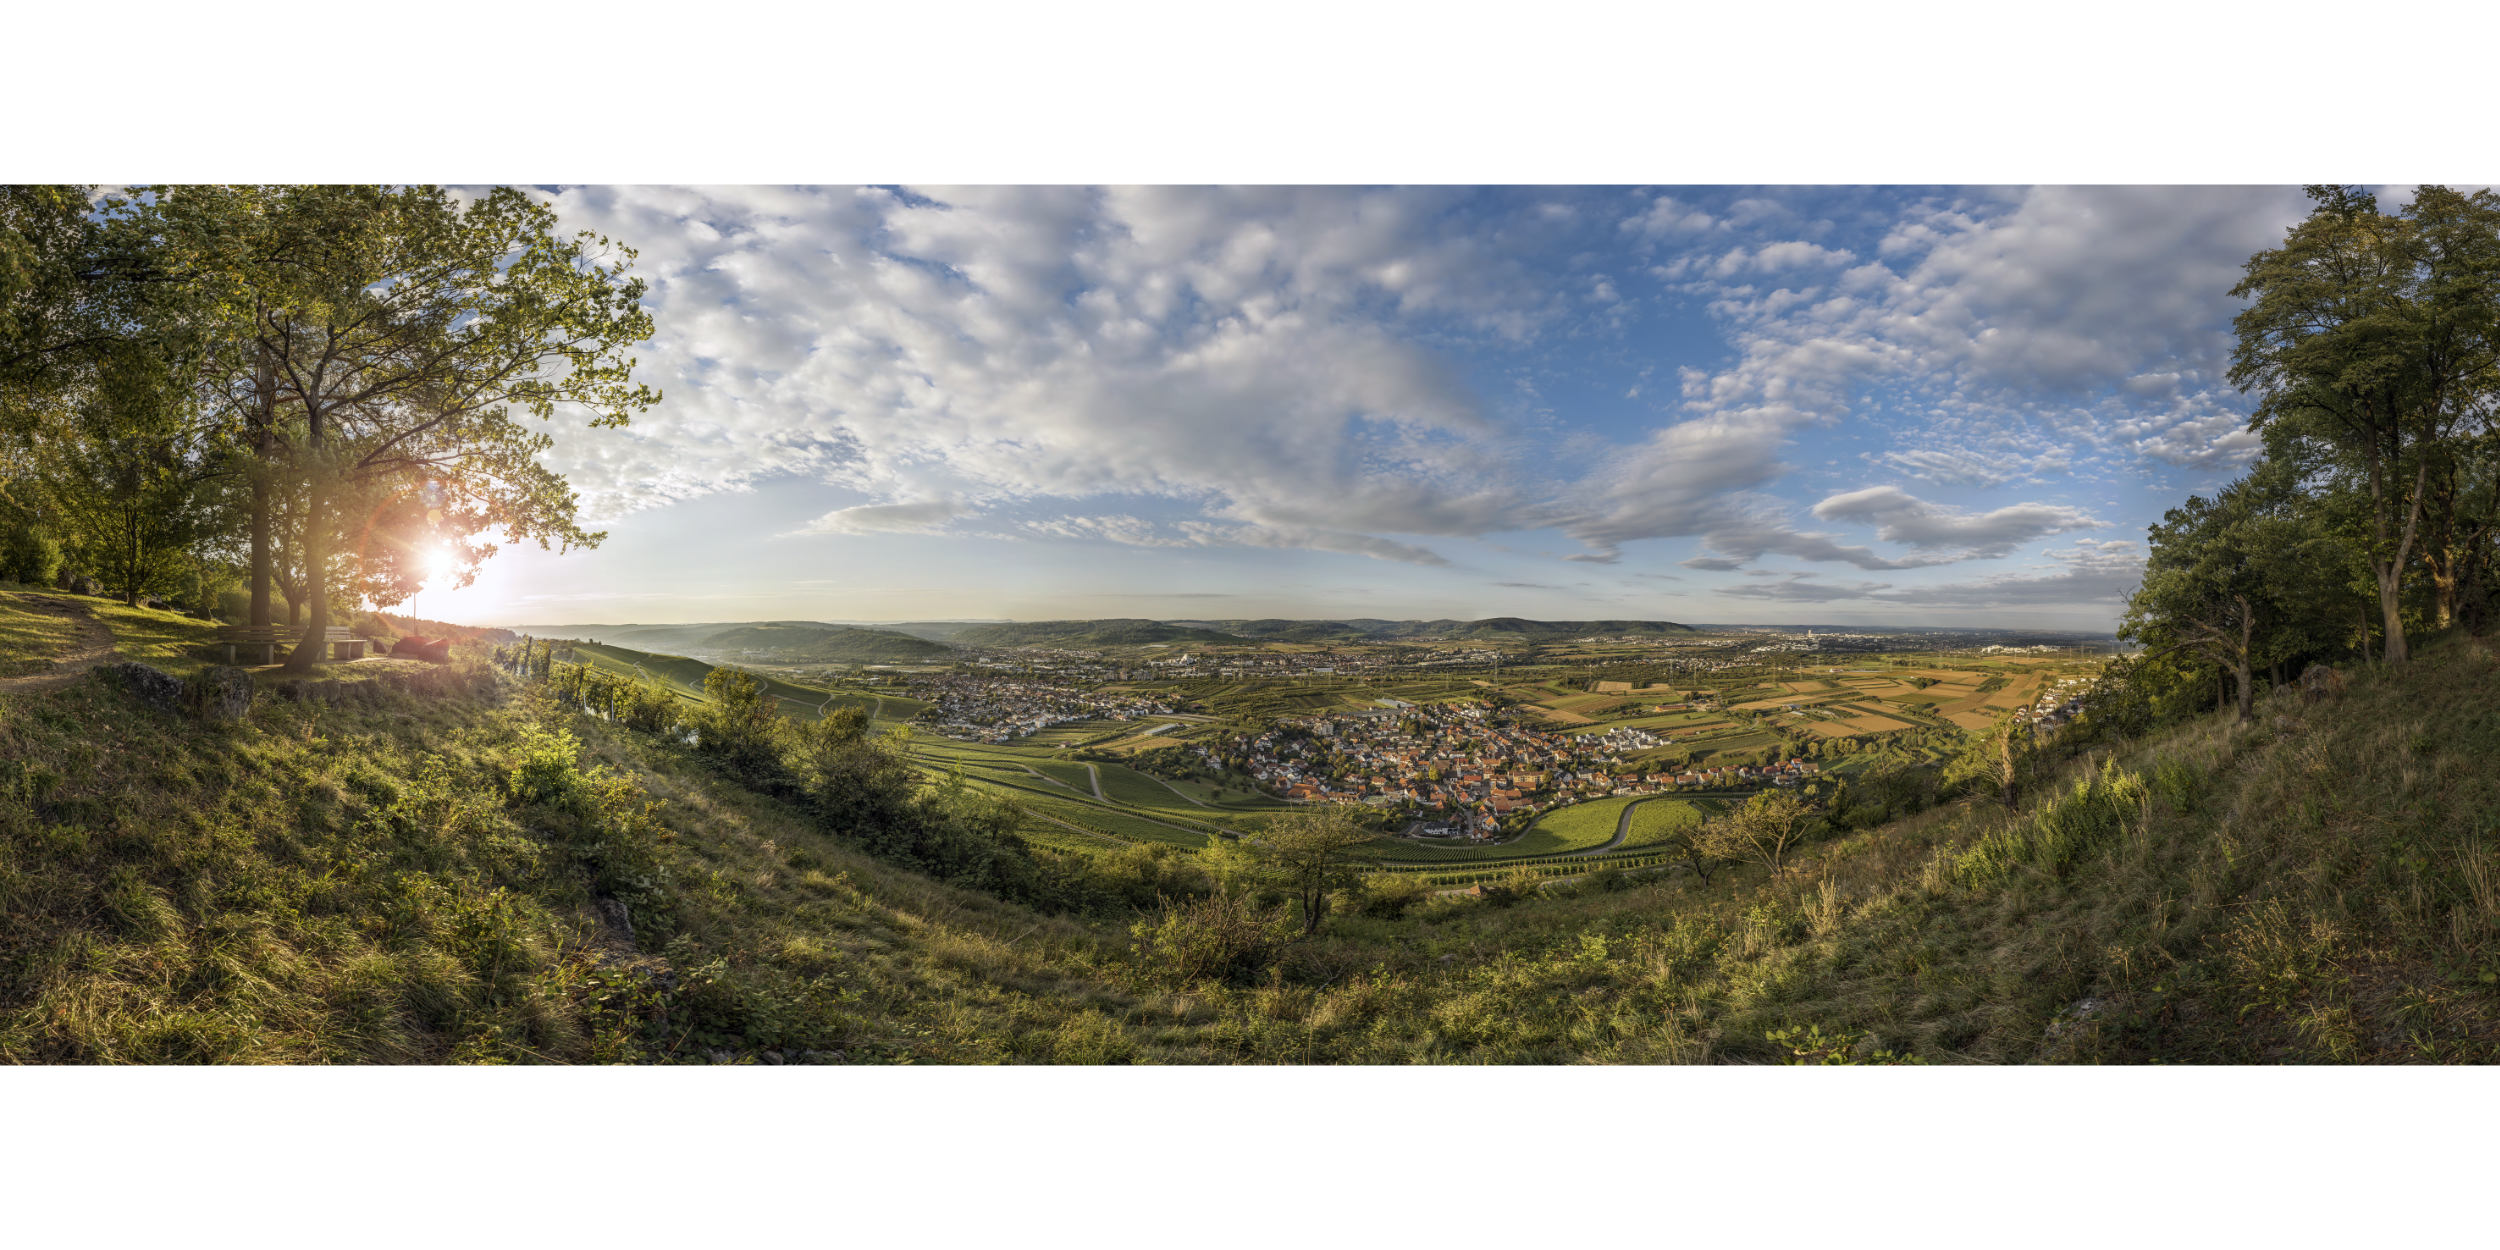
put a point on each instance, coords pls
(168, 640)
(368, 882)
(31, 636)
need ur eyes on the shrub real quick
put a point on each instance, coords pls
(543, 766)
(1219, 938)
(1390, 895)
(29, 556)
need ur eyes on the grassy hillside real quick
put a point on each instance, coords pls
(422, 878)
(826, 644)
(1105, 633)
(685, 676)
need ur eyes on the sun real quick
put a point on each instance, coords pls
(440, 562)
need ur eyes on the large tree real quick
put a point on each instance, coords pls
(2237, 580)
(378, 343)
(2370, 335)
(132, 476)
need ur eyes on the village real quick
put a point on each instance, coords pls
(1464, 770)
(1000, 710)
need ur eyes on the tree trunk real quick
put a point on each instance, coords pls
(2391, 575)
(2391, 608)
(265, 398)
(260, 614)
(2443, 566)
(130, 559)
(2248, 688)
(316, 548)
(316, 588)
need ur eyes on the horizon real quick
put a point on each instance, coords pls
(525, 627)
(1894, 407)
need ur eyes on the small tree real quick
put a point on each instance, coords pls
(1311, 853)
(1228, 863)
(1769, 826)
(1705, 847)
(740, 723)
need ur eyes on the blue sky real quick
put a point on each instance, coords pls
(1888, 405)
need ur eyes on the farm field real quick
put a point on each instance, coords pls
(1655, 821)
(1579, 827)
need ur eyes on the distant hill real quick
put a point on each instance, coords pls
(1493, 629)
(1512, 628)
(828, 643)
(393, 625)
(825, 644)
(1108, 633)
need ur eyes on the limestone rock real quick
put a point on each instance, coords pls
(151, 685)
(221, 693)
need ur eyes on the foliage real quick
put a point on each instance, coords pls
(2372, 340)
(1769, 827)
(1223, 937)
(1312, 853)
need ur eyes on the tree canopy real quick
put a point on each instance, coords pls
(325, 391)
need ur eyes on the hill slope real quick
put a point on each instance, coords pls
(824, 644)
(386, 881)
(1103, 633)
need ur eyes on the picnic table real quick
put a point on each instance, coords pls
(237, 640)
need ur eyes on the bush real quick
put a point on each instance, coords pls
(543, 767)
(1220, 938)
(29, 556)
(1390, 895)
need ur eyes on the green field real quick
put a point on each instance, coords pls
(1655, 821)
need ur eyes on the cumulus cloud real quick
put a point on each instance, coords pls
(1232, 349)
(1666, 217)
(1303, 367)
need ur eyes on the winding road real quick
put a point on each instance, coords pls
(1623, 827)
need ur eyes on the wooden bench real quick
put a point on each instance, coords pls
(237, 640)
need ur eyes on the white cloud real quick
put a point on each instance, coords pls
(1233, 350)
(885, 518)
(1286, 367)
(1900, 517)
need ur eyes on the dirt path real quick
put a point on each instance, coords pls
(93, 645)
(1096, 774)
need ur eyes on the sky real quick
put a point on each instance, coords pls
(1816, 405)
